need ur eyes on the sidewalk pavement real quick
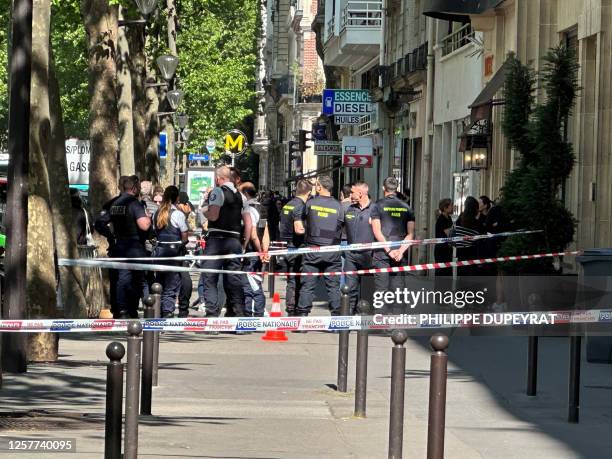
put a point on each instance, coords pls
(229, 396)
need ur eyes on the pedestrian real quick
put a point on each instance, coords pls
(358, 230)
(81, 220)
(324, 218)
(467, 225)
(273, 218)
(146, 194)
(292, 230)
(130, 229)
(392, 220)
(254, 299)
(171, 231)
(229, 229)
(444, 252)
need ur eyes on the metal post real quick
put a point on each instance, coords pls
(132, 390)
(343, 342)
(147, 361)
(14, 358)
(361, 367)
(437, 397)
(114, 400)
(156, 289)
(396, 412)
(532, 366)
(271, 279)
(573, 411)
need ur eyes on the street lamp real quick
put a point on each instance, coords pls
(174, 98)
(182, 120)
(146, 7)
(186, 133)
(167, 65)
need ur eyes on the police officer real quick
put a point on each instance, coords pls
(226, 214)
(292, 232)
(324, 219)
(392, 220)
(358, 230)
(130, 228)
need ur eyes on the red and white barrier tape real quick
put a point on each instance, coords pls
(318, 249)
(396, 269)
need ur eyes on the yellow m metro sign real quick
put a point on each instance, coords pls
(235, 142)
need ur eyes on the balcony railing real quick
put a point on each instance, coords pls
(330, 32)
(362, 14)
(456, 40)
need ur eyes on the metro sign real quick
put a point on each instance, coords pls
(357, 160)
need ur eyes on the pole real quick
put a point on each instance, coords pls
(396, 412)
(132, 390)
(147, 361)
(14, 358)
(156, 289)
(573, 412)
(114, 399)
(361, 367)
(532, 366)
(437, 397)
(343, 342)
(271, 279)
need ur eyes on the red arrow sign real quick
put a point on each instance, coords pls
(357, 160)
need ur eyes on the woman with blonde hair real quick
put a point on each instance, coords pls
(171, 231)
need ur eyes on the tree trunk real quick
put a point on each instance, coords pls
(138, 70)
(41, 281)
(152, 133)
(72, 286)
(167, 123)
(124, 83)
(101, 26)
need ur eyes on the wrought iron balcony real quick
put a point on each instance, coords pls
(456, 40)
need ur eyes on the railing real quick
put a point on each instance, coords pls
(330, 31)
(362, 14)
(457, 39)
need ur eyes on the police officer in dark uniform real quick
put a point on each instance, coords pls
(324, 220)
(358, 231)
(227, 234)
(292, 232)
(130, 229)
(392, 220)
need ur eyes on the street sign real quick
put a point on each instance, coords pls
(195, 157)
(211, 144)
(347, 119)
(235, 142)
(349, 102)
(77, 160)
(327, 148)
(319, 131)
(163, 142)
(357, 151)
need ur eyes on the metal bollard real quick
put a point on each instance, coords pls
(361, 367)
(147, 361)
(114, 401)
(532, 366)
(437, 397)
(396, 411)
(132, 390)
(343, 343)
(573, 409)
(156, 288)
(271, 279)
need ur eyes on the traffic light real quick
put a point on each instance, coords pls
(302, 139)
(294, 149)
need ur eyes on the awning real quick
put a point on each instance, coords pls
(481, 107)
(457, 10)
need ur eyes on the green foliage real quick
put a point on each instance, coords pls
(530, 194)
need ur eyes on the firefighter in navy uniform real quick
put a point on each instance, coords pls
(392, 220)
(358, 230)
(324, 220)
(130, 229)
(292, 232)
(226, 235)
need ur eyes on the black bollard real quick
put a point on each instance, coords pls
(396, 411)
(361, 367)
(114, 401)
(573, 410)
(271, 278)
(532, 366)
(343, 343)
(156, 289)
(147, 361)
(437, 397)
(132, 390)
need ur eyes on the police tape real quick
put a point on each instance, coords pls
(317, 323)
(102, 263)
(320, 249)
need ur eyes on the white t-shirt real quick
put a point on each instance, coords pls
(254, 216)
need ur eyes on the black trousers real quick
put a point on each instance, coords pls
(291, 264)
(185, 294)
(389, 282)
(320, 263)
(355, 261)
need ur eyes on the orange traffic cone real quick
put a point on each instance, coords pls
(275, 335)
